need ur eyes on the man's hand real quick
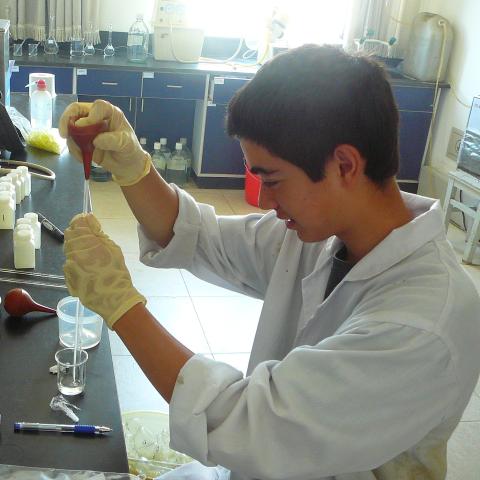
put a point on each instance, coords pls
(117, 150)
(95, 270)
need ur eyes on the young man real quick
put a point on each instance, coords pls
(364, 357)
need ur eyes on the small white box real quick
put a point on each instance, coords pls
(177, 43)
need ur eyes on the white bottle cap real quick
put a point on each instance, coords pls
(31, 216)
(178, 146)
(163, 141)
(157, 146)
(143, 141)
(23, 221)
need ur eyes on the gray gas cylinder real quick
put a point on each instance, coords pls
(424, 48)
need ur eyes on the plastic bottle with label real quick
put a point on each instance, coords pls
(177, 167)
(137, 42)
(41, 107)
(158, 159)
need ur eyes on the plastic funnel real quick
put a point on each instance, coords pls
(83, 136)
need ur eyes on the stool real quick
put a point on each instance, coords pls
(459, 180)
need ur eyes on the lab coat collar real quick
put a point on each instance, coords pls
(426, 226)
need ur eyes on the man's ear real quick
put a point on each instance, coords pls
(349, 161)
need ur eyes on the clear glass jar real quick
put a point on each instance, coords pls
(137, 43)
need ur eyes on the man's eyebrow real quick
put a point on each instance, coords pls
(257, 170)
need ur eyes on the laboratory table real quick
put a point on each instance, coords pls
(28, 345)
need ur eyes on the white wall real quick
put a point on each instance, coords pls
(121, 13)
(463, 74)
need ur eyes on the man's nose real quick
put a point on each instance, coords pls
(266, 199)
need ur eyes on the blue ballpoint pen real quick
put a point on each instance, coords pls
(54, 427)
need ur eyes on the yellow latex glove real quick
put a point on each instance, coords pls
(117, 150)
(95, 270)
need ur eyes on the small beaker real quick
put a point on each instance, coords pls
(18, 49)
(77, 48)
(72, 372)
(32, 49)
(91, 324)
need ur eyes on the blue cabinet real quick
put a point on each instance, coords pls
(182, 86)
(113, 83)
(156, 118)
(63, 78)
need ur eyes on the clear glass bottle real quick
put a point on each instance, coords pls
(164, 149)
(89, 47)
(137, 43)
(51, 45)
(188, 154)
(177, 167)
(109, 50)
(158, 159)
(41, 107)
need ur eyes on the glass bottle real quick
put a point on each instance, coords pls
(158, 159)
(137, 43)
(109, 50)
(164, 149)
(177, 167)
(51, 45)
(187, 153)
(89, 48)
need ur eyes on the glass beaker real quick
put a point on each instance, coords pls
(72, 372)
(89, 48)
(109, 50)
(77, 46)
(51, 45)
(32, 49)
(18, 49)
(91, 324)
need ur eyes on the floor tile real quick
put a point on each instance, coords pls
(116, 345)
(199, 288)
(178, 316)
(135, 392)
(108, 201)
(237, 360)
(472, 412)
(463, 448)
(151, 281)
(123, 231)
(229, 323)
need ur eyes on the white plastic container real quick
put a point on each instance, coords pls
(37, 231)
(424, 50)
(41, 107)
(91, 330)
(7, 186)
(185, 44)
(26, 175)
(49, 80)
(17, 183)
(7, 211)
(23, 248)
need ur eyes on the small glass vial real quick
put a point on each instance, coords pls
(7, 211)
(23, 248)
(26, 175)
(37, 231)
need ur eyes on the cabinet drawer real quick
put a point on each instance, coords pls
(222, 89)
(115, 83)
(63, 78)
(417, 99)
(175, 85)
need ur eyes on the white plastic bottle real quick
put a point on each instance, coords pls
(28, 179)
(158, 159)
(23, 248)
(137, 42)
(177, 167)
(17, 183)
(37, 231)
(7, 184)
(41, 107)
(7, 211)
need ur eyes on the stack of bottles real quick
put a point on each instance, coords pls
(14, 187)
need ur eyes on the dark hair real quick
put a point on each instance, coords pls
(307, 101)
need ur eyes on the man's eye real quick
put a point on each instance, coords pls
(269, 183)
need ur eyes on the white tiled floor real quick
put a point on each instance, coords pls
(220, 323)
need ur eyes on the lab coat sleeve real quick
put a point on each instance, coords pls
(235, 252)
(348, 404)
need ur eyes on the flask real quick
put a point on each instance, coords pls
(158, 159)
(177, 167)
(37, 231)
(7, 211)
(109, 50)
(89, 48)
(188, 154)
(23, 248)
(137, 43)
(41, 107)
(51, 45)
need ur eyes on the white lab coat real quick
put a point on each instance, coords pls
(368, 384)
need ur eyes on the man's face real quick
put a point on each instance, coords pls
(312, 209)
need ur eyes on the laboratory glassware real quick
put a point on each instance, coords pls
(89, 47)
(51, 45)
(177, 167)
(137, 42)
(109, 50)
(72, 369)
(77, 46)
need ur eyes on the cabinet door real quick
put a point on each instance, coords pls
(63, 78)
(158, 118)
(221, 154)
(413, 138)
(175, 85)
(126, 104)
(114, 83)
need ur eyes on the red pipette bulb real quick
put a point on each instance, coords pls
(83, 136)
(18, 302)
